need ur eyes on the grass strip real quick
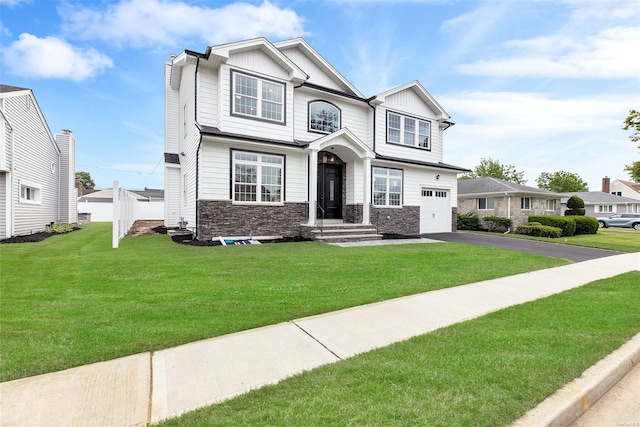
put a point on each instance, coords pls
(484, 372)
(72, 299)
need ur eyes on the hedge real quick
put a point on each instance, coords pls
(495, 222)
(539, 230)
(468, 221)
(586, 225)
(567, 224)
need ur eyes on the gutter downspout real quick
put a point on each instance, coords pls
(374, 120)
(195, 118)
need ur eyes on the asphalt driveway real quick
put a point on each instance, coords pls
(556, 250)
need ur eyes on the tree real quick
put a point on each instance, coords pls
(633, 122)
(86, 180)
(493, 168)
(575, 206)
(561, 182)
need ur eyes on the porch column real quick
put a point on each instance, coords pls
(313, 185)
(367, 191)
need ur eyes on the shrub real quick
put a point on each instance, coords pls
(539, 231)
(567, 224)
(494, 223)
(575, 206)
(586, 225)
(60, 228)
(468, 221)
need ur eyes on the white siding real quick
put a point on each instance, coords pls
(171, 115)
(215, 174)
(68, 191)
(257, 61)
(207, 97)
(189, 139)
(172, 205)
(355, 115)
(35, 154)
(4, 220)
(253, 127)
(407, 102)
(316, 74)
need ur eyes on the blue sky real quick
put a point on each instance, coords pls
(541, 85)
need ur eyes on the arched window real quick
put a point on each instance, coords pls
(323, 117)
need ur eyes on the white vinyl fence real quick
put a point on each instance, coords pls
(124, 212)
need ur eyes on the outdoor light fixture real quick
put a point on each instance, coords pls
(438, 176)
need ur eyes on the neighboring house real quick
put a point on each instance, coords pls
(621, 188)
(598, 203)
(37, 170)
(150, 204)
(270, 139)
(496, 197)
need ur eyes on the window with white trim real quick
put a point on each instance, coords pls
(323, 117)
(30, 193)
(525, 203)
(551, 204)
(387, 187)
(605, 208)
(256, 97)
(486, 203)
(406, 130)
(257, 177)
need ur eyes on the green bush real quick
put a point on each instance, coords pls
(575, 212)
(539, 231)
(468, 221)
(567, 224)
(494, 223)
(60, 228)
(586, 225)
(575, 207)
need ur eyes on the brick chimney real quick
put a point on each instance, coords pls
(606, 185)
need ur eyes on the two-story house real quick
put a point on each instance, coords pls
(269, 138)
(37, 170)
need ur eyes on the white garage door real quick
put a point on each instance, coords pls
(435, 211)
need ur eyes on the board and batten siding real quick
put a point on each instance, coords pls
(354, 115)
(208, 105)
(408, 103)
(316, 74)
(249, 126)
(215, 173)
(35, 163)
(171, 114)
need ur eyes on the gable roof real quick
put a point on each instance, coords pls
(595, 197)
(7, 88)
(422, 93)
(318, 60)
(632, 185)
(495, 186)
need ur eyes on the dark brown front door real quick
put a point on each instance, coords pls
(330, 191)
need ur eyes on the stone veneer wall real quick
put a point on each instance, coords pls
(454, 220)
(353, 214)
(223, 218)
(405, 220)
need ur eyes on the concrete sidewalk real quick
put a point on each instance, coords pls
(149, 387)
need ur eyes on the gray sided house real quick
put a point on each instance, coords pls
(600, 204)
(496, 197)
(269, 138)
(37, 170)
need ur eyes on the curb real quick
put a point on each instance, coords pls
(564, 407)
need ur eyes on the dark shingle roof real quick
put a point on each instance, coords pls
(7, 88)
(487, 185)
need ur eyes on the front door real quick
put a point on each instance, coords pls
(329, 191)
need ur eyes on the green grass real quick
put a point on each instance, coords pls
(484, 372)
(72, 299)
(615, 239)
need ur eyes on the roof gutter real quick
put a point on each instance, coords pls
(374, 120)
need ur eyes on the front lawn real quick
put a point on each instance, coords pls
(484, 372)
(72, 299)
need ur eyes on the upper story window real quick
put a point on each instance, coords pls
(387, 187)
(486, 203)
(407, 130)
(253, 96)
(257, 177)
(323, 117)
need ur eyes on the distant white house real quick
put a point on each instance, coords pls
(623, 188)
(599, 203)
(149, 206)
(37, 170)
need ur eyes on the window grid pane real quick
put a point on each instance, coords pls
(253, 171)
(387, 187)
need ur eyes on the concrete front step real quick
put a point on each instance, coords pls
(334, 231)
(347, 238)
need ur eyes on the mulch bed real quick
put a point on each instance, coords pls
(31, 238)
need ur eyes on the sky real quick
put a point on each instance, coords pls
(541, 85)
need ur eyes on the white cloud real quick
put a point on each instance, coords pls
(12, 3)
(144, 23)
(50, 57)
(598, 41)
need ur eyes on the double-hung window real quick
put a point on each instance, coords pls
(256, 97)
(605, 208)
(257, 177)
(551, 204)
(387, 187)
(323, 117)
(525, 203)
(406, 130)
(486, 203)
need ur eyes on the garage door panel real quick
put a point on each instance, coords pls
(435, 211)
